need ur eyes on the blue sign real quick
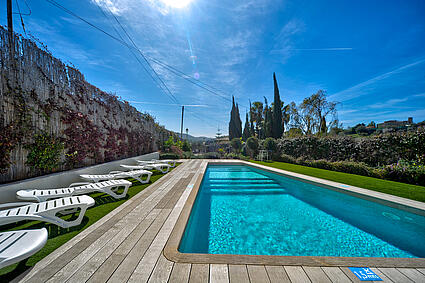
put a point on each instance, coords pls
(365, 274)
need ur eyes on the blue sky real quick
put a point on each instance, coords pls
(367, 55)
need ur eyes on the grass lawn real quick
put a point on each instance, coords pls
(390, 187)
(58, 236)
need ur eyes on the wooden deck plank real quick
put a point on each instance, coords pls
(180, 273)
(61, 256)
(316, 274)
(380, 274)
(199, 273)
(162, 270)
(219, 273)
(121, 230)
(91, 265)
(105, 271)
(56, 261)
(147, 263)
(258, 274)
(394, 274)
(296, 274)
(413, 274)
(277, 274)
(336, 274)
(238, 273)
(125, 269)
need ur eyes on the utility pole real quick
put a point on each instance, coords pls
(11, 41)
(181, 129)
(10, 25)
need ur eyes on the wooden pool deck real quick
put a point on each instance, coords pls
(127, 246)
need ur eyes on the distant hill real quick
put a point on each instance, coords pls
(195, 139)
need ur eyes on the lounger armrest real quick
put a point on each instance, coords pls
(116, 172)
(14, 204)
(79, 184)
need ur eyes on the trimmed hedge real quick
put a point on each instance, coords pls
(169, 156)
(403, 171)
(374, 151)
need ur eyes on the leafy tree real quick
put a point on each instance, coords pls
(277, 122)
(294, 132)
(246, 130)
(312, 114)
(236, 144)
(257, 116)
(371, 125)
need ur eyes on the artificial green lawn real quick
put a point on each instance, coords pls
(58, 236)
(390, 187)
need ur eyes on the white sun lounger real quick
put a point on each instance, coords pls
(162, 167)
(46, 211)
(170, 162)
(107, 187)
(19, 245)
(136, 174)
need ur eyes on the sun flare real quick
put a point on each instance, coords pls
(176, 3)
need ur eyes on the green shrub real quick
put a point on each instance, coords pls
(187, 155)
(270, 144)
(404, 171)
(236, 144)
(169, 156)
(252, 144)
(374, 151)
(211, 155)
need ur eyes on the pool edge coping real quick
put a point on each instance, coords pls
(171, 248)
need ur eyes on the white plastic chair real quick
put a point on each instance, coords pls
(46, 211)
(19, 245)
(107, 187)
(162, 167)
(136, 174)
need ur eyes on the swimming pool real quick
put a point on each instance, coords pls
(242, 210)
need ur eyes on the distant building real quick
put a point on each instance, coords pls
(395, 124)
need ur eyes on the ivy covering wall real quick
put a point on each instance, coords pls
(52, 119)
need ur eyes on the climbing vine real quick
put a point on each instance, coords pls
(44, 154)
(82, 139)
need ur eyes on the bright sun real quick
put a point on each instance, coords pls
(176, 3)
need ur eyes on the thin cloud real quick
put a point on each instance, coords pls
(389, 103)
(169, 104)
(356, 90)
(324, 49)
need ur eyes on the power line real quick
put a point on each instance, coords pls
(53, 2)
(121, 40)
(168, 67)
(138, 60)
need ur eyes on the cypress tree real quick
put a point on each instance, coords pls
(235, 124)
(251, 120)
(246, 130)
(238, 122)
(277, 126)
(268, 120)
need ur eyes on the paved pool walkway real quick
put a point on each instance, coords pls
(127, 246)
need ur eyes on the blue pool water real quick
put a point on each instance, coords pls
(245, 210)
